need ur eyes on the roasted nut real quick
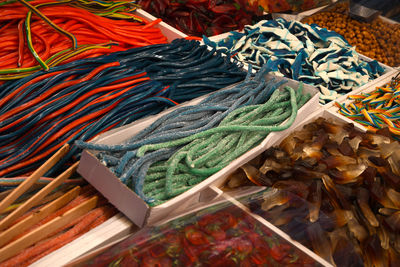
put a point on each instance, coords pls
(379, 40)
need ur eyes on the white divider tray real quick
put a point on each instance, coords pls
(170, 32)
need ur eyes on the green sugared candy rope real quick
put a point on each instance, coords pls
(205, 153)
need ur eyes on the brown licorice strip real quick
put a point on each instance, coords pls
(23, 187)
(37, 197)
(11, 232)
(47, 229)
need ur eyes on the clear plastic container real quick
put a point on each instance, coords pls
(221, 235)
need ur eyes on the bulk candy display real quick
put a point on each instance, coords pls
(194, 141)
(218, 236)
(79, 100)
(302, 52)
(349, 183)
(183, 148)
(377, 109)
(204, 17)
(378, 39)
(43, 33)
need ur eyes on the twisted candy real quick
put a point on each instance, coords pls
(377, 109)
(81, 99)
(197, 148)
(302, 52)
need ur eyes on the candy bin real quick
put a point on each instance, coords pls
(131, 168)
(332, 187)
(302, 52)
(204, 17)
(220, 235)
(376, 107)
(378, 39)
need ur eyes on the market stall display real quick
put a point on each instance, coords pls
(302, 52)
(96, 84)
(344, 191)
(205, 17)
(376, 109)
(41, 34)
(223, 235)
(378, 39)
(79, 100)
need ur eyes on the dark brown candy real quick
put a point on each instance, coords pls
(346, 186)
(363, 203)
(378, 161)
(320, 242)
(345, 148)
(345, 254)
(374, 254)
(315, 200)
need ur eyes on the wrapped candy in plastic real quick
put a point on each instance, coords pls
(222, 235)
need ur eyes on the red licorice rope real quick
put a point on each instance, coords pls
(65, 235)
(88, 28)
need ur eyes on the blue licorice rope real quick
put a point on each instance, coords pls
(182, 122)
(91, 109)
(188, 68)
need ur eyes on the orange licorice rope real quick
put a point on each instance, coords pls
(77, 228)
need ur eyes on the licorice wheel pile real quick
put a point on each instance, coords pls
(41, 34)
(81, 99)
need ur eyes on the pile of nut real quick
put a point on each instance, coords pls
(379, 40)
